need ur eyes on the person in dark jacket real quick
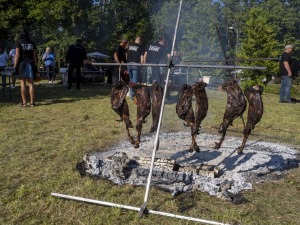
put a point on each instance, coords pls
(26, 65)
(75, 56)
(153, 55)
(286, 74)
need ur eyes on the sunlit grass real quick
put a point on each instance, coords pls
(40, 147)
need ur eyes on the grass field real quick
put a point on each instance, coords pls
(41, 145)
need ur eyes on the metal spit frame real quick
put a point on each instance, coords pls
(143, 209)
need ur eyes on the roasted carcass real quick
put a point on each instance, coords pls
(200, 109)
(235, 107)
(120, 106)
(142, 95)
(184, 106)
(184, 109)
(157, 93)
(255, 111)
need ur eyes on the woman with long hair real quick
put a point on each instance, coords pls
(26, 65)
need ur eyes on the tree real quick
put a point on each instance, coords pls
(258, 42)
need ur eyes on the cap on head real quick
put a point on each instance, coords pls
(289, 46)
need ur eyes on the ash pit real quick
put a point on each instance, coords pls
(221, 173)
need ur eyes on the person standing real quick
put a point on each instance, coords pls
(75, 56)
(119, 57)
(135, 54)
(49, 58)
(154, 54)
(3, 63)
(286, 74)
(26, 65)
(11, 56)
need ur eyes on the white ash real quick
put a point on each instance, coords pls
(237, 172)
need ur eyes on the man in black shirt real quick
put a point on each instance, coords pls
(75, 56)
(154, 54)
(286, 74)
(135, 54)
(119, 57)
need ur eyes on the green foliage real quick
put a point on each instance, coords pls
(248, 29)
(258, 42)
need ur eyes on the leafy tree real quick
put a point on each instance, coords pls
(258, 42)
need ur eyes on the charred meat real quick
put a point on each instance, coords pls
(157, 93)
(255, 111)
(142, 95)
(200, 110)
(120, 106)
(184, 108)
(235, 107)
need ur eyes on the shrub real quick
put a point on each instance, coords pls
(274, 89)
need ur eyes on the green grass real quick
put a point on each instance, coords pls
(40, 147)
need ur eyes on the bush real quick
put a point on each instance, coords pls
(274, 89)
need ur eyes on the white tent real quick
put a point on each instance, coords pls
(97, 55)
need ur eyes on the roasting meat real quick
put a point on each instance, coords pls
(184, 106)
(200, 110)
(120, 106)
(157, 93)
(142, 95)
(255, 111)
(184, 109)
(235, 107)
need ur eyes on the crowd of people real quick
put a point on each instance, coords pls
(23, 57)
(133, 53)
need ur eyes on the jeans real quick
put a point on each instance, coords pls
(70, 74)
(49, 73)
(286, 84)
(134, 72)
(153, 74)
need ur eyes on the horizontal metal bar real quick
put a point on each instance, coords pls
(133, 208)
(182, 65)
(233, 60)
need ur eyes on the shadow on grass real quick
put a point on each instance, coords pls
(232, 161)
(56, 94)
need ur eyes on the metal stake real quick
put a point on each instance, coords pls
(133, 208)
(156, 144)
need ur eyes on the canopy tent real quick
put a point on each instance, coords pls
(97, 55)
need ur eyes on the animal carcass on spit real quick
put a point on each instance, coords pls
(120, 106)
(255, 111)
(236, 106)
(142, 95)
(200, 110)
(157, 93)
(184, 109)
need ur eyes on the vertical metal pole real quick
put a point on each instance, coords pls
(237, 42)
(187, 75)
(119, 72)
(156, 143)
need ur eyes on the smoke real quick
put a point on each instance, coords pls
(197, 37)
